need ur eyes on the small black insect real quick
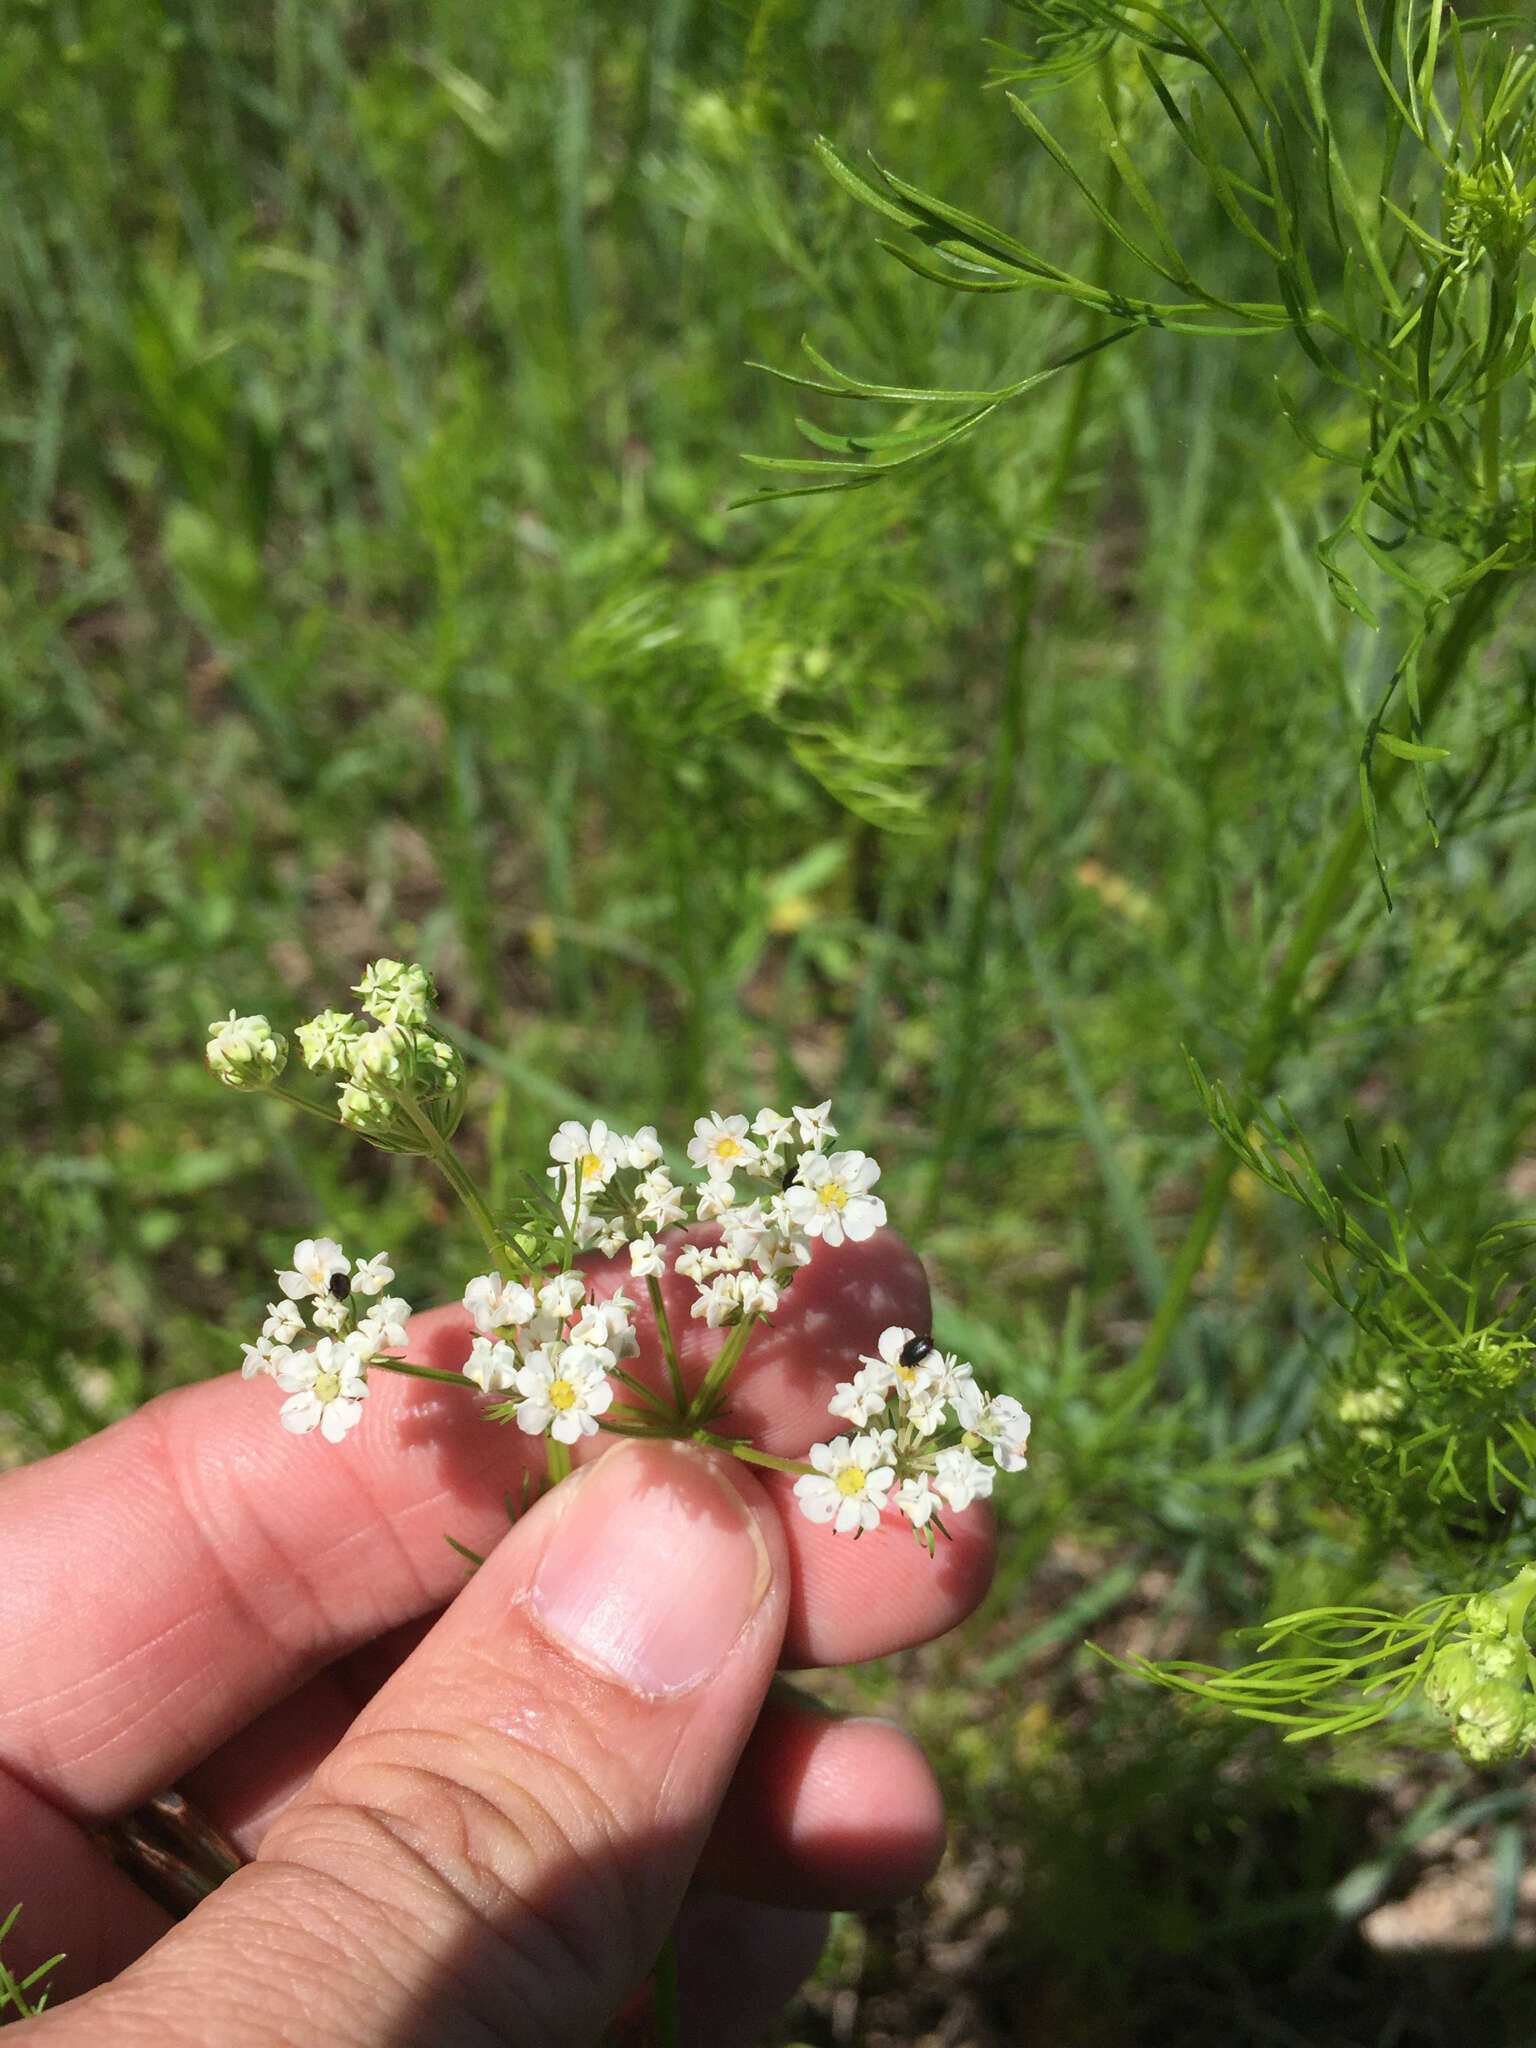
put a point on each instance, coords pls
(915, 1350)
(339, 1285)
(791, 1175)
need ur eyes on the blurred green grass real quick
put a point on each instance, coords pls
(372, 387)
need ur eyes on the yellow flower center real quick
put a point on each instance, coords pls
(327, 1386)
(591, 1165)
(562, 1394)
(907, 1374)
(850, 1480)
(728, 1148)
(833, 1194)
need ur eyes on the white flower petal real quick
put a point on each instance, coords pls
(916, 1499)
(818, 1496)
(961, 1477)
(372, 1276)
(815, 1124)
(563, 1295)
(300, 1413)
(340, 1415)
(491, 1365)
(642, 1149)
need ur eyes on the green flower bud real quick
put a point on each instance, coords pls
(1489, 210)
(326, 1041)
(1497, 1657)
(1479, 1681)
(386, 1056)
(374, 1115)
(245, 1052)
(1380, 1403)
(1487, 1615)
(437, 1056)
(1490, 1722)
(393, 1071)
(396, 992)
(1451, 1676)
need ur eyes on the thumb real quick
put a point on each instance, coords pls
(498, 1847)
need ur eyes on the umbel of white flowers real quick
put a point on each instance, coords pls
(919, 1434)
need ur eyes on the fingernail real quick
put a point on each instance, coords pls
(654, 1569)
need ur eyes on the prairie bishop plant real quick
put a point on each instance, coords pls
(1349, 190)
(1424, 1435)
(1338, 1670)
(1377, 181)
(552, 1347)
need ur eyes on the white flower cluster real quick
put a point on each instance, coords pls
(552, 1345)
(920, 1435)
(926, 1436)
(771, 1185)
(324, 1292)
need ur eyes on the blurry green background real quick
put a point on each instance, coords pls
(373, 385)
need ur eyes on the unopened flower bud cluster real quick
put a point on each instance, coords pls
(401, 1085)
(332, 1321)
(1481, 1682)
(245, 1052)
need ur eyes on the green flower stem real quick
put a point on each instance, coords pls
(422, 1372)
(1517, 1596)
(641, 1391)
(644, 1425)
(1503, 299)
(459, 1179)
(282, 1094)
(668, 1346)
(706, 1400)
(1472, 612)
(750, 1454)
(1006, 742)
(1491, 438)
(558, 1458)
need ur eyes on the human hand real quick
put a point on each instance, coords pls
(476, 1824)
